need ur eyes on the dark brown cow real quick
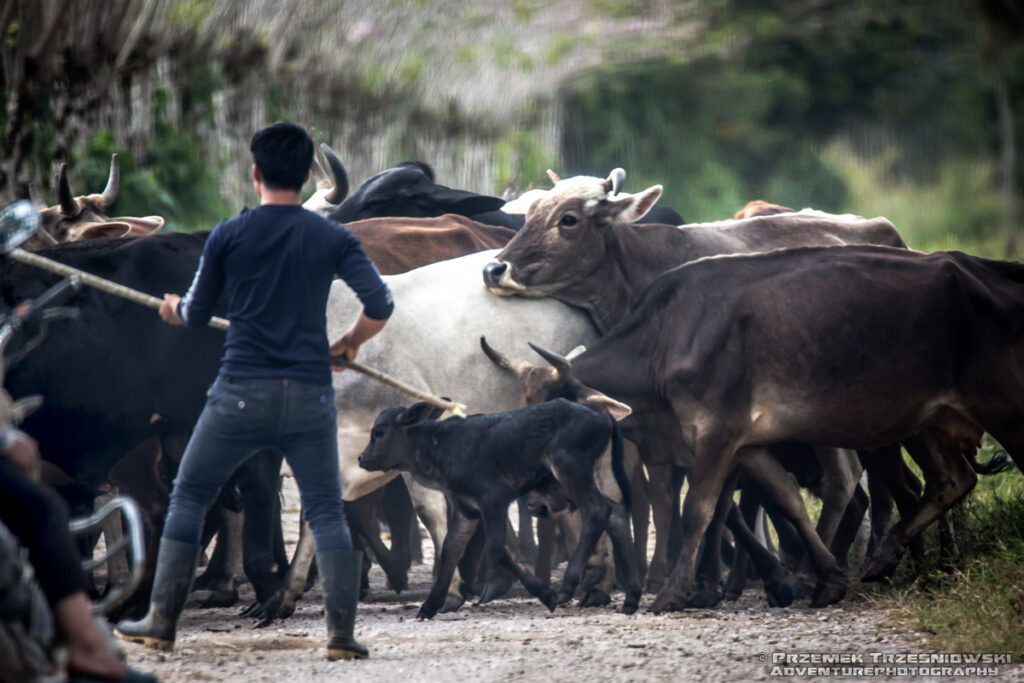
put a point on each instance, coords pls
(83, 217)
(858, 347)
(580, 245)
(541, 384)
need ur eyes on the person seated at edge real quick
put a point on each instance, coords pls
(276, 264)
(38, 516)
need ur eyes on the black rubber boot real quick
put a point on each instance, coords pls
(175, 569)
(342, 571)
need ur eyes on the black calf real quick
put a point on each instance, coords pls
(485, 462)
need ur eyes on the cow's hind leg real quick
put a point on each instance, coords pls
(625, 558)
(779, 584)
(948, 478)
(709, 575)
(714, 457)
(432, 509)
(775, 482)
(495, 518)
(460, 530)
(661, 493)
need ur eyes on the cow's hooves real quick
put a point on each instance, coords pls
(668, 600)
(255, 610)
(398, 581)
(591, 577)
(452, 603)
(286, 610)
(221, 598)
(878, 570)
(496, 588)
(702, 599)
(831, 590)
(731, 595)
(595, 598)
(630, 605)
(781, 593)
(551, 599)
(425, 613)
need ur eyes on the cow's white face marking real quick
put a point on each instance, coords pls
(317, 202)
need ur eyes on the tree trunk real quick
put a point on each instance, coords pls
(1007, 164)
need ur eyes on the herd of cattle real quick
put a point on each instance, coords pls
(770, 352)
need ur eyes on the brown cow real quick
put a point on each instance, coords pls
(581, 245)
(760, 207)
(82, 217)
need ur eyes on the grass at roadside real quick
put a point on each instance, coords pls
(979, 606)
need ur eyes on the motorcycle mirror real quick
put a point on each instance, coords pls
(18, 222)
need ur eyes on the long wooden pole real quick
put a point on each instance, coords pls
(102, 284)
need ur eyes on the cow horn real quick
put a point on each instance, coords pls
(340, 190)
(320, 178)
(613, 183)
(498, 358)
(37, 199)
(558, 362)
(113, 183)
(554, 177)
(68, 205)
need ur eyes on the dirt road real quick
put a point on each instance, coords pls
(517, 639)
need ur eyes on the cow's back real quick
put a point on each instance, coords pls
(397, 245)
(807, 228)
(105, 375)
(432, 341)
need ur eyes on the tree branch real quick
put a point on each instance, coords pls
(45, 41)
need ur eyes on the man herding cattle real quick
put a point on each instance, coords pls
(275, 263)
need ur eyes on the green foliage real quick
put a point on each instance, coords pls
(617, 9)
(980, 606)
(467, 54)
(960, 208)
(13, 31)
(190, 13)
(561, 45)
(755, 108)
(522, 155)
(706, 131)
(178, 180)
(411, 69)
(523, 10)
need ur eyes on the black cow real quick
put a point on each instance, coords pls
(485, 462)
(858, 347)
(105, 377)
(407, 189)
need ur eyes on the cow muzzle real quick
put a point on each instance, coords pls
(498, 278)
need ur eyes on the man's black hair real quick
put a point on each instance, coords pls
(283, 152)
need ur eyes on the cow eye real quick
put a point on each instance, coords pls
(568, 221)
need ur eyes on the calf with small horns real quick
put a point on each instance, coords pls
(485, 462)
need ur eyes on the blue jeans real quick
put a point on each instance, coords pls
(243, 416)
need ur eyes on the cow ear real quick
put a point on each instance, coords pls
(95, 231)
(619, 411)
(416, 414)
(633, 208)
(144, 225)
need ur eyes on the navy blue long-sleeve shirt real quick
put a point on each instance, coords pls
(276, 263)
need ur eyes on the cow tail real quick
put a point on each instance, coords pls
(999, 462)
(619, 466)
